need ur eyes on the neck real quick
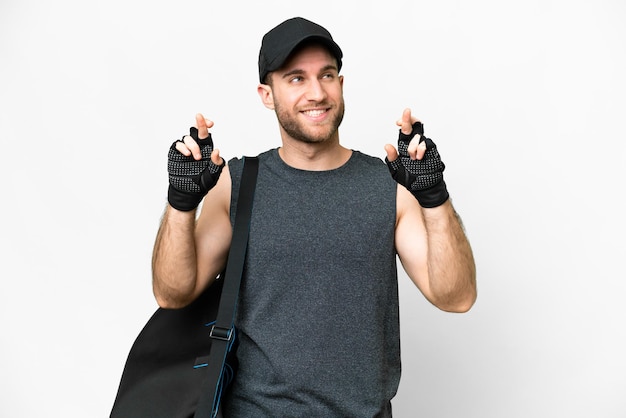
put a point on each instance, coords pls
(314, 157)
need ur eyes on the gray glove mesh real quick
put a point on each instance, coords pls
(423, 178)
(185, 171)
(428, 171)
(190, 175)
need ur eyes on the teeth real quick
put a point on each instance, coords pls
(314, 113)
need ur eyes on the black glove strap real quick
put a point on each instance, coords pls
(432, 197)
(183, 201)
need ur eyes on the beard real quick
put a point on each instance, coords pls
(299, 132)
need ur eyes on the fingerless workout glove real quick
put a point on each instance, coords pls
(423, 178)
(190, 179)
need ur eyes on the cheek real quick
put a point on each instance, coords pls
(289, 96)
(338, 91)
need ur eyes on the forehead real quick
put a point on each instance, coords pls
(309, 56)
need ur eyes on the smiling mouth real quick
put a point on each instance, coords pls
(315, 112)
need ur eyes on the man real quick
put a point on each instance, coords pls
(318, 313)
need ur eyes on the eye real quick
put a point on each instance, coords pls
(295, 79)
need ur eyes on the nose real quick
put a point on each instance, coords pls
(315, 91)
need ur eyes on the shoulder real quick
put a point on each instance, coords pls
(235, 164)
(406, 206)
(368, 159)
(375, 170)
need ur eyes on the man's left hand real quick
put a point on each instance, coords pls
(416, 163)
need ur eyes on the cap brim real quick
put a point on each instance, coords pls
(280, 59)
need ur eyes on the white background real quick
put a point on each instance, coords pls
(526, 100)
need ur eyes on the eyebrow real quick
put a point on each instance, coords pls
(297, 71)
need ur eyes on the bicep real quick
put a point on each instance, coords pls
(411, 240)
(213, 232)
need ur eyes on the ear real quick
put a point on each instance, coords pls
(265, 93)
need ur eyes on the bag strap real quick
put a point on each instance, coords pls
(223, 332)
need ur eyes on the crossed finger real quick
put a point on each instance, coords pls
(416, 149)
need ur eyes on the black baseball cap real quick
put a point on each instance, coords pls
(280, 42)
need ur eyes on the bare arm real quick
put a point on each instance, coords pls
(174, 259)
(430, 239)
(435, 253)
(189, 253)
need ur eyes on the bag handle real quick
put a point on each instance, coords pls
(223, 331)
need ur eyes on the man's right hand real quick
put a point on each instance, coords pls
(193, 166)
